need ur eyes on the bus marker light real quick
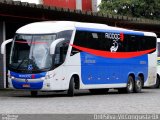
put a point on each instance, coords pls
(48, 84)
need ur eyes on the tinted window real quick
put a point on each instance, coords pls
(62, 47)
(98, 41)
(92, 40)
(65, 34)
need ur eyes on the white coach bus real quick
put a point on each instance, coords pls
(64, 55)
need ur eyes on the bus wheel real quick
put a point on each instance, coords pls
(157, 85)
(130, 86)
(138, 85)
(71, 89)
(34, 93)
(99, 91)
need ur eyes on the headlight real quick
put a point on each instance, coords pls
(12, 77)
(49, 76)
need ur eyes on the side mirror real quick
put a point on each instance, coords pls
(53, 45)
(3, 46)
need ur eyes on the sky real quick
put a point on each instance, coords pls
(98, 1)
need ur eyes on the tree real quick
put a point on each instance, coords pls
(134, 8)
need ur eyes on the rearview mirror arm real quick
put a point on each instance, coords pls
(53, 45)
(3, 46)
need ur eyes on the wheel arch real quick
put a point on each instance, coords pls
(132, 75)
(158, 75)
(76, 80)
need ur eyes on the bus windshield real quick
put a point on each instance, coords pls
(31, 52)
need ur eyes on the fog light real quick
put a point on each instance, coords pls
(48, 84)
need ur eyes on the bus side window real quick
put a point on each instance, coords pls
(60, 53)
(57, 56)
(81, 39)
(63, 50)
(65, 34)
(131, 44)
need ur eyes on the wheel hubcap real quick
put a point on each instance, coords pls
(130, 85)
(138, 84)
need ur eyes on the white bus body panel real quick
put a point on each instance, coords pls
(152, 65)
(152, 71)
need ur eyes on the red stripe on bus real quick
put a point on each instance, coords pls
(109, 54)
(31, 42)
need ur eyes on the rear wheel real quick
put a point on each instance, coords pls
(99, 91)
(71, 89)
(34, 93)
(130, 86)
(138, 85)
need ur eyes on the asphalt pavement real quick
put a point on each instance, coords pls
(20, 102)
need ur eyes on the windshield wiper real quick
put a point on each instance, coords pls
(21, 63)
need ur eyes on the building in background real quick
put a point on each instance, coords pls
(71, 4)
(85, 5)
(31, 1)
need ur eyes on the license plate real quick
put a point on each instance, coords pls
(26, 85)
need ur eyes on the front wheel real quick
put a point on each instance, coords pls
(138, 85)
(71, 89)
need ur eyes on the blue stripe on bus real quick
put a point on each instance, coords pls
(111, 31)
(100, 70)
(32, 85)
(28, 76)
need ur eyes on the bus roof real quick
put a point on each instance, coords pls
(48, 27)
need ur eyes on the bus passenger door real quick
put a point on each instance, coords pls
(59, 69)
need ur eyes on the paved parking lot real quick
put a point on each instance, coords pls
(19, 102)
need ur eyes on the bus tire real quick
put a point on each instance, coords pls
(34, 93)
(99, 91)
(157, 85)
(71, 89)
(130, 86)
(138, 85)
